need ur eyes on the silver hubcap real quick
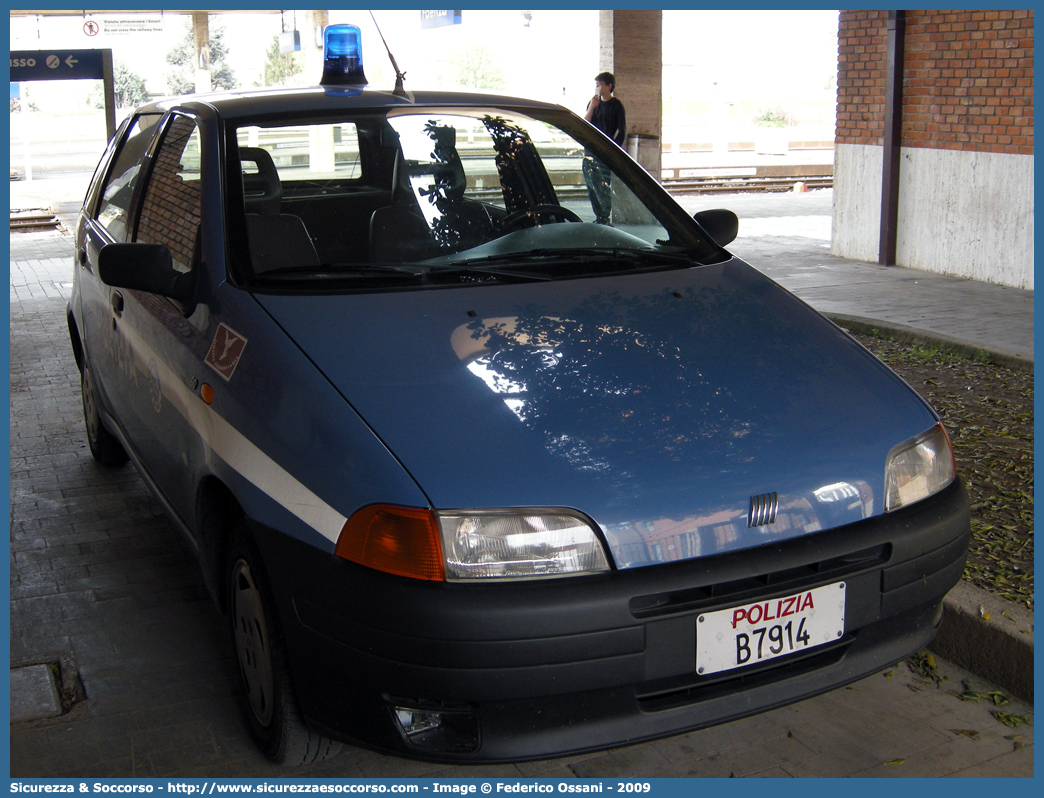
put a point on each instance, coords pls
(252, 643)
(90, 413)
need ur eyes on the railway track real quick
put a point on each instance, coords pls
(34, 221)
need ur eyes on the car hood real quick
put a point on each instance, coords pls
(663, 405)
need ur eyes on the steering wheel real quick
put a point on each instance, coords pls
(513, 219)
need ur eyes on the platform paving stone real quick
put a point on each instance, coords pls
(34, 693)
(101, 580)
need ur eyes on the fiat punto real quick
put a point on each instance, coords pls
(472, 474)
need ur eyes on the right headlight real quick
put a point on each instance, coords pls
(514, 544)
(918, 468)
(472, 545)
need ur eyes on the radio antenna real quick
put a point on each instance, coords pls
(399, 91)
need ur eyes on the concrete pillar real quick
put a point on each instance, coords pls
(631, 47)
(201, 58)
(312, 45)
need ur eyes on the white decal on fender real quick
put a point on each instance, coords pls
(266, 474)
(237, 450)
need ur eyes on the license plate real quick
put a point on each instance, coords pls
(764, 630)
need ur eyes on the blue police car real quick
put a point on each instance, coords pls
(474, 474)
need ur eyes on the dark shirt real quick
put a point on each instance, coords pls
(610, 119)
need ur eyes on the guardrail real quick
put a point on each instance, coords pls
(744, 184)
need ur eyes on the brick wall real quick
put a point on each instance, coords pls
(967, 80)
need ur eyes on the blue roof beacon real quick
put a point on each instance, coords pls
(342, 57)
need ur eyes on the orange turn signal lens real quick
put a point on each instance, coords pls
(397, 540)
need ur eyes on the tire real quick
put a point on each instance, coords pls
(268, 697)
(105, 448)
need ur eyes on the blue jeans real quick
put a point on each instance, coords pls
(599, 188)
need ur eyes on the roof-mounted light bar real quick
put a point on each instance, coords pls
(342, 56)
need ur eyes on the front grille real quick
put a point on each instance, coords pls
(735, 591)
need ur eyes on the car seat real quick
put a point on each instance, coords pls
(277, 240)
(399, 232)
(403, 231)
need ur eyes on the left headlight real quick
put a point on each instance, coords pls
(466, 545)
(918, 468)
(518, 543)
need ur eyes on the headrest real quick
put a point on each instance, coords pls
(262, 190)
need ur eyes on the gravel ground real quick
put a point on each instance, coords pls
(988, 410)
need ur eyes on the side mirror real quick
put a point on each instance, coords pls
(720, 224)
(145, 267)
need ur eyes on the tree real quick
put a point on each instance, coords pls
(182, 78)
(477, 68)
(128, 87)
(281, 68)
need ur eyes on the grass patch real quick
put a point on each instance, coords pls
(988, 410)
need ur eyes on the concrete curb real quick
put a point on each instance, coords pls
(902, 332)
(989, 636)
(983, 633)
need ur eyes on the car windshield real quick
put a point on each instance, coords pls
(441, 196)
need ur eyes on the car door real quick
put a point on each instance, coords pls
(158, 341)
(106, 219)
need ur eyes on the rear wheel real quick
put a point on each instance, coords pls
(270, 704)
(105, 448)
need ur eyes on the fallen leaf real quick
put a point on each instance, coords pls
(895, 762)
(967, 733)
(983, 613)
(1014, 721)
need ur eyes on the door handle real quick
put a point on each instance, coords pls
(81, 255)
(117, 302)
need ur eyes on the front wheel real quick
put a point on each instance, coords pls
(105, 448)
(271, 706)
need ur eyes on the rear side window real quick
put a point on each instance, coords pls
(170, 210)
(114, 207)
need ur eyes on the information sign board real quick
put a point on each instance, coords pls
(28, 65)
(436, 19)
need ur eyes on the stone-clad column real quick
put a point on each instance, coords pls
(631, 47)
(201, 50)
(312, 44)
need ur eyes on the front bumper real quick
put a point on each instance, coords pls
(553, 667)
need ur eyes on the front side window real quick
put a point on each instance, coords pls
(114, 207)
(420, 196)
(170, 211)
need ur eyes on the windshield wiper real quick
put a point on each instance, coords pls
(467, 267)
(581, 255)
(415, 273)
(343, 270)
